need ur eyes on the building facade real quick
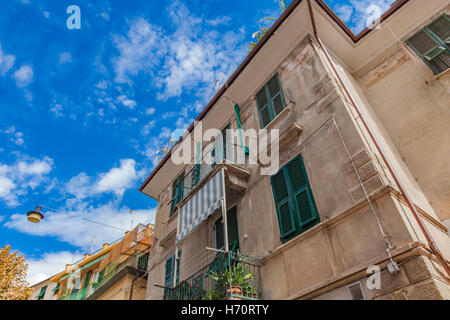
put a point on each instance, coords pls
(45, 290)
(357, 205)
(116, 272)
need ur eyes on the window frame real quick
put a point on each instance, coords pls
(218, 222)
(436, 39)
(270, 106)
(176, 198)
(41, 294)
(298, 226)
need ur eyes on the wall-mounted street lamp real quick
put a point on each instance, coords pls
(35, 216)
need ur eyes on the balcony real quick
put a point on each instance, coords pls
(229, 276)
(136, 261)
(233, 159)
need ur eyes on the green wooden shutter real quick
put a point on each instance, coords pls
(41, 294)
(143, 262)
(102, 273)
(441, 28)
(283, 205)
(177, 192)
(294, 200)
(265, 113)
(432, 44)
(168, 277)
(276, 95)
(87, 279)
(301, 193)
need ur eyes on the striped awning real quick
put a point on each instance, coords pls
(203, 204)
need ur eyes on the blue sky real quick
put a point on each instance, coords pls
(83, 112)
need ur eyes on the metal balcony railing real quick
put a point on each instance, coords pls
(220, 153)
(137, 261)
(229, 275)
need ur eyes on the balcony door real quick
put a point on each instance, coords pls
(233, 231)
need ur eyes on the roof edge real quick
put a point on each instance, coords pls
(355, 38)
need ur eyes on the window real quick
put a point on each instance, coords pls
(177, 193)
(41, 294)
(355, 291)
(294, 202)
(86, 282)
(143, 262)
(270, 101)
(432, 44)
(169, 273)
(55, 291)
(216, 154)
(233, 232)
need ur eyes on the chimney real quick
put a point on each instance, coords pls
(67, 267)
(86, 255)
(105, 246)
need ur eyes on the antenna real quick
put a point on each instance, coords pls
(131, 218)
(92, 245)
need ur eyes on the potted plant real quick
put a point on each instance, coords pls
(236, 278)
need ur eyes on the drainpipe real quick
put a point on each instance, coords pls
(403, 192)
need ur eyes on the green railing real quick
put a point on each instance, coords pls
(231, 153)
(229, 275)
(139, 262)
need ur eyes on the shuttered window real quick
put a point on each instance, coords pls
(41, 294)
(169, 273)
(432, 44)
(294, 202)
(177, 193)
(270, 101)
(233, 232)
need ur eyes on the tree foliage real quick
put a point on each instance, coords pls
(13, 272)
(258, 35)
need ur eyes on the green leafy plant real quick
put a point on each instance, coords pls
(165, 149)
(258, 35)
(236, 276)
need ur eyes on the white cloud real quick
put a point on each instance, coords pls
(71, 227)
(146, 129)
(127, 102)
(23, 76)
(49, 264)
(65, 57)
(57, 110)
(14, 136)
(6, 62)
(344, 12)
(24, 175)
(116, 181)
(192, 56)
(357, 14)
(150, 111)
(138, 50)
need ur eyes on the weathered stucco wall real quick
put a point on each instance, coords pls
(413, 106)
(348, 239)
(49, 293)
(122, 288)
